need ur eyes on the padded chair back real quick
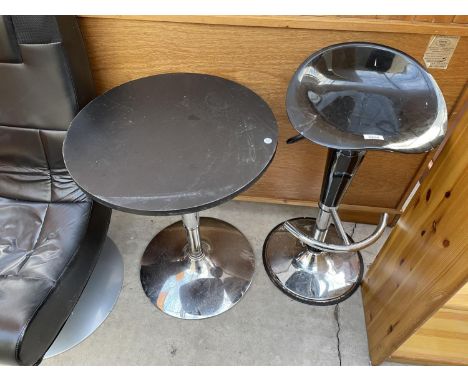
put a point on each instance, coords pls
(44, 81)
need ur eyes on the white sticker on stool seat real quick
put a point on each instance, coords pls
(373, 136)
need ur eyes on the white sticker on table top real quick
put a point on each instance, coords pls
(439, 51)
(373, 136)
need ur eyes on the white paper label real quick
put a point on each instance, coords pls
(373, 136)
(439, 51)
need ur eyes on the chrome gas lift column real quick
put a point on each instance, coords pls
(319, 264)
(351, 98)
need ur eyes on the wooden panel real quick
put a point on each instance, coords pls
(440, 19)
(434, 19)
(348, 213)
(425, 260)
(425, 18)
(459, 301)
(443, 339)
(397, 17)
(263, 59)
(460, 19)
(342, 23)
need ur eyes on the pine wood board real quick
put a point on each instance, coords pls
(425, 259)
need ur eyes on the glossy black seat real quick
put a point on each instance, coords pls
(50, 232)
(362, 96)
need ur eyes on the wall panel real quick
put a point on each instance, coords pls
(264, 59)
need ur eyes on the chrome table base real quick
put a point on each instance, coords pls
(96, 301)
(317, 278)
(195, 286)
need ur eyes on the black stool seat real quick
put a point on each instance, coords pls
(362, 96)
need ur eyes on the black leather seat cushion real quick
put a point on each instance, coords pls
(50, 232)
(37, 242)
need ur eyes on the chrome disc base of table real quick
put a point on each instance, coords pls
(190, 286)
(96, 302)
(317, 278)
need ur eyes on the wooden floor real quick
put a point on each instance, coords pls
(443, 339)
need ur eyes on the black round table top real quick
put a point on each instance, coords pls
(171, 143)
(366, 96)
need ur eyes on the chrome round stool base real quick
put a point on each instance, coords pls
(96, 301)
(195, 287)
(317, 278)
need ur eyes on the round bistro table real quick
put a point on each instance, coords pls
(178, 144)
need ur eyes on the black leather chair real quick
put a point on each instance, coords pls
(50, 232)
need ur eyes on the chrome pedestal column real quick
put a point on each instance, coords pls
(197, 268)
(314, 260)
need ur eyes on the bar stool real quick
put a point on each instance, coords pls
(351, 98)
